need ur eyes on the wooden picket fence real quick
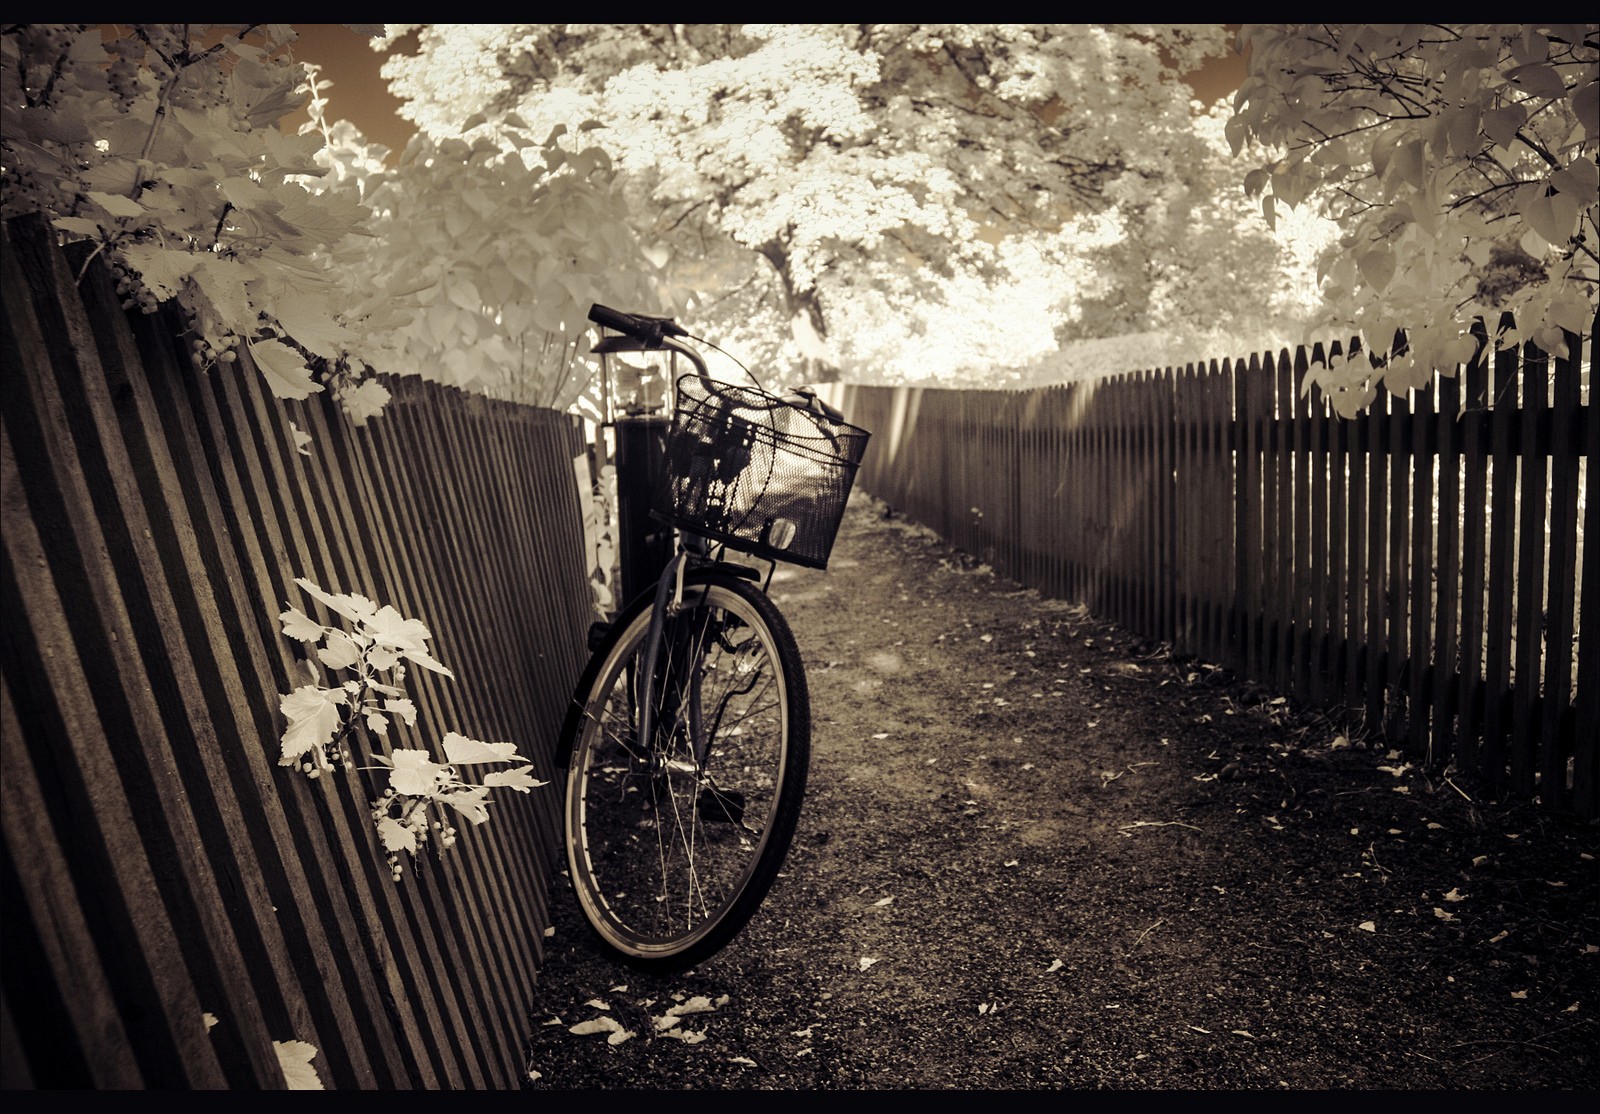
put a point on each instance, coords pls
(175, 901)
(1419, 568)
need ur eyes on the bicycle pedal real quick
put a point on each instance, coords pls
(718, 806)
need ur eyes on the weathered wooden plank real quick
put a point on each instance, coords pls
(1424, 568)
(1556, 738)
(1529, 608)
(1474, 424)
(1397, 651)
(1502, 555)
(1446, 648)
(1586, 759)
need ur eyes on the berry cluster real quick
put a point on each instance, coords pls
(207, 352)
(133, 292)
(338, 759)
(414, 815)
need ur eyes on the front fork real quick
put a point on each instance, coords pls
(668, 603)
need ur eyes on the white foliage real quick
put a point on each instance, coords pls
(841, 192)
(375, 646)
(1459, 162)
(295, 1057)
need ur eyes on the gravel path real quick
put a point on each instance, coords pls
(1038, 853)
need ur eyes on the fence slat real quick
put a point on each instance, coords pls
(1421, 579)
(159, 863)
(1556, 737)
(1446, 648)
(1379, 563)
(1533, 449)
(1586, 760)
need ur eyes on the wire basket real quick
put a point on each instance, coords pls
(759, 473)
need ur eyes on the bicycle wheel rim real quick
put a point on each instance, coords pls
(671, 853)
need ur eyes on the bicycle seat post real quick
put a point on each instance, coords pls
(640, 421)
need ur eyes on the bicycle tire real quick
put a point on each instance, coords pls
(669, 858)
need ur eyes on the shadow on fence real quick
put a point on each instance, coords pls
(175, 901)
(1419, 567)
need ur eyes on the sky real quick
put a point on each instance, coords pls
(360, 94)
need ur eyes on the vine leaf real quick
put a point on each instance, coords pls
(285, 369)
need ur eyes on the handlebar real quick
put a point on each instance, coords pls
(653, 332)
(642, 327)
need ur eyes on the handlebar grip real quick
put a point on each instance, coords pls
(640, 326)
(806, 399)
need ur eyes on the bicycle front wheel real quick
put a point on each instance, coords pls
(673, 841)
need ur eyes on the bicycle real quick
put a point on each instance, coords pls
(687, 742)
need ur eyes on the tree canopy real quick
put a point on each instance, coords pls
(888, 165)
(899, 201)
(1459, 163)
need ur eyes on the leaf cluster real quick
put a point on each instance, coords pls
(374, 643)
(1441, 149)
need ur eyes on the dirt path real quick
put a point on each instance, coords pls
(1038, 853)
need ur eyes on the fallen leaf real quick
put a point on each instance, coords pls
(1054, 966)
(698, 1004)
(299, 1073)
(1013, 862)
(1519, 993)
(1455, 895)
(1367, 926)
(1197, 1029)
(685, 1037)
(881, 735)
(1442, 915)
(867, 961)
(598, 1004)
(745, 1060)
(803, 1034)
(1242, 1033)
(609, 1025)
(882, 901)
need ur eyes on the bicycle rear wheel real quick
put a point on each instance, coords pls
(673, 842)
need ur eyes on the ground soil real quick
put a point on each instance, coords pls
(1038, 851)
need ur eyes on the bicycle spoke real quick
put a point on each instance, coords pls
(672, 831)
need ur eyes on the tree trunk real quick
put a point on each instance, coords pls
(805, 314)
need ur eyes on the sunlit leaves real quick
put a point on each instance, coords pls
(496, 247)
(285, 370)
(314, 716)
(294, 1057)
(184, 179)
(374, 642)
(1455, 142)
(852, 178)
(459, 748)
